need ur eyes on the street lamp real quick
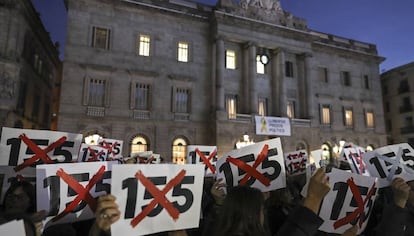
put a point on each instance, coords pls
(245, 141)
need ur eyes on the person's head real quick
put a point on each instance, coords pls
(242, 212)
(20, 197)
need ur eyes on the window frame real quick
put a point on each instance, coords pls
(231, 109)
(95, 43)
(182, 51)
(369, 118)
(144, 45)
(326, 120)
(230, 59)
(348, 121)
(262, 107)
(87, 91)
(184, 108)
(291, 109)
(289, 70)
(146, 104)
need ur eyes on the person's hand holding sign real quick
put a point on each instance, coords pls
(318, 188)
(401, 191)
(107, 213)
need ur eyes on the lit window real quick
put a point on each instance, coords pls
(96, 94)
(231, 106)
(182, 100)
(144, 45)
(289, 69)
(348, 116)
(100, 38)
(142, 96)
(290, 109)
(230, 59)
(262, 106)
(260, 67)
(92, 139)
(179, 151)
(369, 116)
(139, 144)
(326, 115)
(183, 51)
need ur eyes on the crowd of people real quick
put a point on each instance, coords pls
(243, 211)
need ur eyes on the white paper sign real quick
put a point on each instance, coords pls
(88, 153)
(14, 227)
(389, 162)
(260, 165)
(353, 155)
(350, 201)
(206, 155)
(318, 159)
(157, 198)
(296, 162)
(8, 175)
(68, 191)
(146, 157)
(267, 125)
(25, 147)
(114, 147)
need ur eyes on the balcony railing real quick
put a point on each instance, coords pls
(96, 111)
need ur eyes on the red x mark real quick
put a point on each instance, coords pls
(95, 155)
(159, 197)
(143, 160)
(361, 205)
(251, 170)
(359, 160)
(298, 165)
(206, 160)
(109, 146)
(83, 192)
(39, 153)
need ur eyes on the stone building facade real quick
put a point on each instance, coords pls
(29, 68)
(161, 75)
(398, 92)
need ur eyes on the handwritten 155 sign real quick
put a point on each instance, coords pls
(24, 147)
(156, 198)
(349, 202)
(206, 155)
(260, 165)
(68, 191)
(389, 162)
(296, 162)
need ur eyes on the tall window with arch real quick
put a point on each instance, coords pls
(179, 151)
(139, 144)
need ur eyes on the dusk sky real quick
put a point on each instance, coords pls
(387, 23)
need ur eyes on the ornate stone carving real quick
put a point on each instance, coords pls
(6, 86)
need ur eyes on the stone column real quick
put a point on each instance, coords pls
(278, 75)
(220, 55)
(252, 79)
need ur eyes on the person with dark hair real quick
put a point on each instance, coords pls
(241, 213)
(20, 203)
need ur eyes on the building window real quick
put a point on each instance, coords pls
(387, 107)
(182, 51)
(365, 81)
(144, 45)
(139, 144)
(101, 38)
(326, 114)
(231, 106)
(262, 106)
(290, 109)
(345, 78)
(369, 119)
(323, 74)
(348, 117)
(141, 96)
(260, 67)
(289, 69)
(181, 100)
(404, 86)
(179, 151)
(230, 59)
(384, 89)
(96, 92)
